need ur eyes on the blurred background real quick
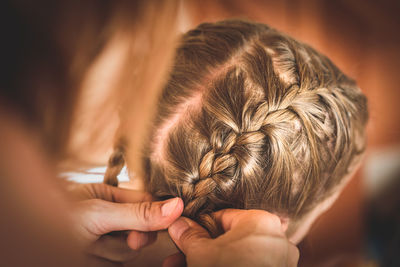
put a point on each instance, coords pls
(362, 38)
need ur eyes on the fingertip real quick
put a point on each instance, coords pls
(137, 240)
(180, 205)
(177, 228)
(231, 218)
(186, 233)
(154, 216)
(172, 207)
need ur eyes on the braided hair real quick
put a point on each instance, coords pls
(116, 162)
(251, 118)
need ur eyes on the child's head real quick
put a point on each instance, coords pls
(253, 119)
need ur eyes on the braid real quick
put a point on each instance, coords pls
(115, 163)
(259, 121)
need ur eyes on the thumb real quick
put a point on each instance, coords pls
(187, 233)
(103, 217)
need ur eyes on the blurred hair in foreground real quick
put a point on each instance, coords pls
(48, 49)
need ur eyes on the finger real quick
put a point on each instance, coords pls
(103, 217)
(117, 194)
(123, 195)
(259, 219)
(137, 240)
(174, 260)
(186, 233)
(113, 247)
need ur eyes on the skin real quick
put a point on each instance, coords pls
(246, 231)
(51, 227)
(251, 232)
(115, 223)
(251, 238)
(289, 234)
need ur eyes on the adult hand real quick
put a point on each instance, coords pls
(102, 210)
(251, 238)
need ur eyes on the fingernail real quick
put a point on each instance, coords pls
(168, 207)
(178, 228)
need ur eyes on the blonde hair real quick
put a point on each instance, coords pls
(251, 118)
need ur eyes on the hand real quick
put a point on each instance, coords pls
(102, 210)
(251, 238)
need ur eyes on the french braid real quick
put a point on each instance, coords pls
(252, 118)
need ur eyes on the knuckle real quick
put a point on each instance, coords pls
(192, 238)
(187, 235)
(144, 211)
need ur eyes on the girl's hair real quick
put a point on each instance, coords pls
(251, 118)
